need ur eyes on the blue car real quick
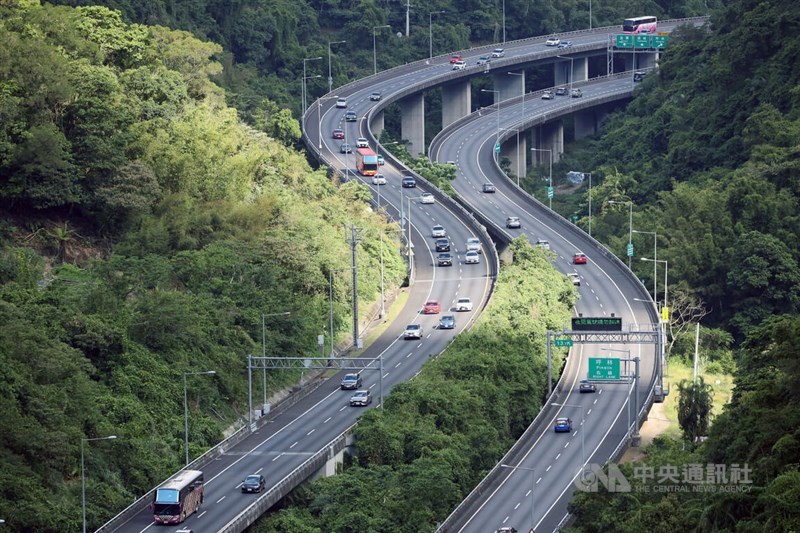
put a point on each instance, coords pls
(563, 425)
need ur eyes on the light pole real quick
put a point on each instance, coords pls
(330, 287)
(430, 32)
(330, 75)
(186, 409)
(522, 91)
(583, 428)
(590, 14)
(664, 319)
(590, 203)
(319, 117)
(497, 139)
(305, 91)
(655, 259)
(374, 48)
(518, 158)
(629, 251)
(571, 71)
(305, 60)
(264, 352)
(533, 486)
(83, 477)
(666, 270)
(550, 188)
(504, 21)
(383, 300)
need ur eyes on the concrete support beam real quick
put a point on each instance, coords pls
(550, 137)
(508, 85)
(585, 124)
(377, 124)
(562, 74)
(412, 123)
(580, 69)
(456, 101)
(517, 153)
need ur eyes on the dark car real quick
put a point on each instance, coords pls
(447, 322)
(409, 182)
(254, 483)
(488, 187)
(350, 116)
(587, 386)
(442, 245)
(351, 381)
(639, 75)
(565, 44)
(562, 91)
(444, 259)
(346, 149)
(563, 425)
(484, 59)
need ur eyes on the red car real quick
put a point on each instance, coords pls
(579, 259)
(432, 307)
(338, 134)
(454, 58)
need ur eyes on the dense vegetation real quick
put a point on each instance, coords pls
(145, 229)
(440, 433)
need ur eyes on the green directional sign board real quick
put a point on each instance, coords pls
(630, 249)
(603, 368)
(563, 342)
(624, 41)
(660, 41)
(497, 147)
(597, 323)
(549, 192)
(641, 41)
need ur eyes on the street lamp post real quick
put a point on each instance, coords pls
(430, 32)
(504, 21)
(518, 158)
(330, 287)
(186, 409)
(629, 251)
(549, 197)
(305, 92)
(330, 75)
(655, 259)
(264, 352)
(571, 71)
(374, 48)
(383, 299)
(664, 321)
(497, 138)
(83, 477)
(319, 117)
(305, 60)
(590, 204)
(533, 486)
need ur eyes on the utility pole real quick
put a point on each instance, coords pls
(354, 239)
(408, 15)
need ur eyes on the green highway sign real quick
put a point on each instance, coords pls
(624, 41)
(630, 249)
(660, 41)
(563, 342)
(597, 323)
(641, 41)
(603, 368)
(497, 147)
(549, 192)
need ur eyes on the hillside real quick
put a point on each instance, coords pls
(145, 230)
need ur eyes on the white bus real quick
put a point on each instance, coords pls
(639, 25)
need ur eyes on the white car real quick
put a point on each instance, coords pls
(379, 179)
(498, 52)
(438, 232)
(463, 304)
(575, 278)
(541, 243)
(413, 331)
(427, 198)
(547, 95)
(474, 245)
(472, 258)
(341, 102)
(459, 65)
(362, 142)
(553, 41)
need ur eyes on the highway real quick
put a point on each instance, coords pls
(546, 469)
(288, 438)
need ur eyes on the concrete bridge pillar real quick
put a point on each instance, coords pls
(377, 124)
(412, 123)
(585, 123)
(508, 85)
(570, 70)
(516, 152)
(550, 137)
(456, 101)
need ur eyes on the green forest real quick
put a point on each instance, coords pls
(155, 205)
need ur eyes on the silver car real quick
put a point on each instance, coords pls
(472, 258)
(474, 245)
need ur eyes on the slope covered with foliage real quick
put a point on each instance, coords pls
(145, 230)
